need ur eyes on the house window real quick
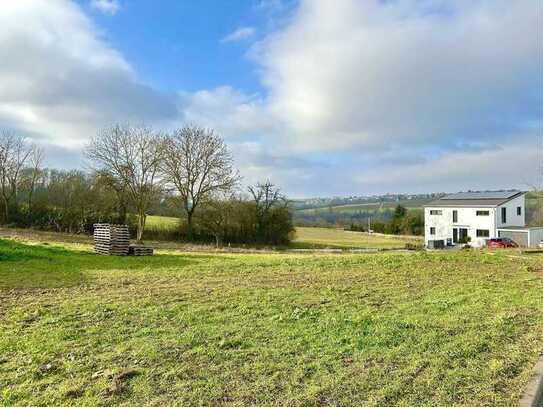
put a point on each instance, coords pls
(436, 212)
(432, 231)
(483, 213)
(504, 215)
(519, 211)
(455, 216)
(483, 233)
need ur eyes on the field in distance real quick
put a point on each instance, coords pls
(534, 202)
(423, 329)
(315, 237)
(319, 238)
(365, 207)
(162, 222)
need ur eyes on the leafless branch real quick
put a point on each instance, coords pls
(14, 154)
(131, 155)
(197, 163)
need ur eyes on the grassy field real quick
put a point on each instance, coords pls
(162, 222)
(364, 207)
(314, 237)
(341, 239)
(411, 329)
(162, 228)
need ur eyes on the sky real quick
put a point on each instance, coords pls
(322, 97)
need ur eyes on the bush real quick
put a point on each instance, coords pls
(414, 246)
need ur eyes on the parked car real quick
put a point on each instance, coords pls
(500, 243)
(540, 244)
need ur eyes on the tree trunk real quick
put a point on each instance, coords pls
(122, 212)
(30, 194)
(189, 225)
(6, 211)
(141, 226)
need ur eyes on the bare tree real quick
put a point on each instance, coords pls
(197, 162)
(120, 189)
(36, 161)
(216, 213)
(265, 196)
(132, 155)
(14, 153)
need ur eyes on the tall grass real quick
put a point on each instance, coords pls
(164, 228)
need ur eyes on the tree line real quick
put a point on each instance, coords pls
(402, 222)
(396, 221)
(133, 170)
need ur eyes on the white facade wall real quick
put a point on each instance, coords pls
(512, 218)
(536, 236)
(467, 219)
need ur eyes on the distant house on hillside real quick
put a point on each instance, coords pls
(477, 217)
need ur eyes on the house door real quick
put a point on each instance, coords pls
(459, 235)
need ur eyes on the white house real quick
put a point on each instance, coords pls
(479, 216)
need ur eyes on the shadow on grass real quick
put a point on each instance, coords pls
(23, 265)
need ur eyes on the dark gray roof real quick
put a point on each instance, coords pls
(483, 195)
(478, 199)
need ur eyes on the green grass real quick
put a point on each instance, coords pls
(412, 329)
(366, 207)
(162, 222)
(162, 228)
(307, 237)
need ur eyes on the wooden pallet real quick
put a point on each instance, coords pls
(140, 250)
(111, 240)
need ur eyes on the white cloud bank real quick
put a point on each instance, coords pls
(413, 95)
(361, 96)
(60, 81)
(373, 74)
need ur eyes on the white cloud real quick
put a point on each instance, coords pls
(240, 34)
(59, 81)
(234, 114)
(269, 5)
(360, 96)
(513, 165)
(110, 7)
(375, 75)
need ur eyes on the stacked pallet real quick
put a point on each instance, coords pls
(140, 250)
(111, 240)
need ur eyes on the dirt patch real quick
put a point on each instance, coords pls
(119, 381)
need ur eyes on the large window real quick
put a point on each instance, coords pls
(504, 215)
(483, 213)
(455, 216)
(519, 211)
(435, 212)
(483, 233)
(432, 231)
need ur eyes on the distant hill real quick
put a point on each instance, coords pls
(410, 200)
(355, 210)
(368, 206)
(345, 211)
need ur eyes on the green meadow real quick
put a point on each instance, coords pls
(406, 329)
(319, 238)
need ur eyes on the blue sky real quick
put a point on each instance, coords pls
(348, 97)
(177, 44)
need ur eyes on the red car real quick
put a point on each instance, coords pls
(500, 243)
